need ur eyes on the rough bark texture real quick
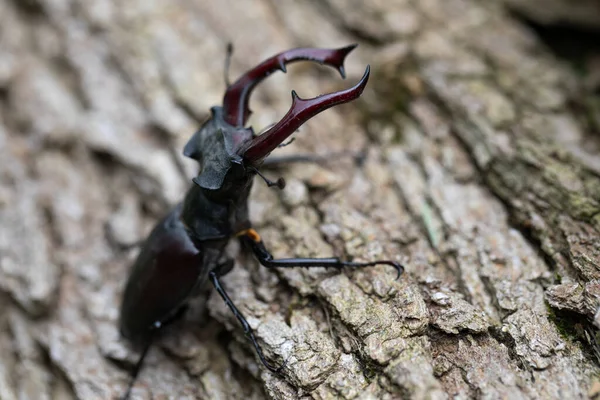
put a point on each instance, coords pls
(481, 173)
(584, 13)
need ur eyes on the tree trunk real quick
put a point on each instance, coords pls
(582, 13)
(481, 173)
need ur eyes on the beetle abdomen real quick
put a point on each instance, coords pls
(163, 277)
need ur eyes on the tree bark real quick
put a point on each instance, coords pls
(481, 173)
(581, 13)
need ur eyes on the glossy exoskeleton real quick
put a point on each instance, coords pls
(186, 248)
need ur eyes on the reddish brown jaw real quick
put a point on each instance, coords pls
(235, 101)
(301, 111)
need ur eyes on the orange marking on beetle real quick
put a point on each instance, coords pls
(251, 233)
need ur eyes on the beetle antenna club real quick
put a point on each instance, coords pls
(186, 249)
(280, 183)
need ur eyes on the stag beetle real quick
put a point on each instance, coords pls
(186, 248)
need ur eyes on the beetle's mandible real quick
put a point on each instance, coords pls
(186, 248)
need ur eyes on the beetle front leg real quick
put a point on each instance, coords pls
(214, 277)
(273, 161)
(251, 238)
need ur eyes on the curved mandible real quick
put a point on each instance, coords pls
(235, 101)
(301, 111)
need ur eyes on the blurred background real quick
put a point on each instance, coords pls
(479, 136)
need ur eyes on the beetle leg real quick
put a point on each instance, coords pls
(247, 329)
(275, 161)
(225, 267)
(136, 370)
(228, 54)
(251, 238)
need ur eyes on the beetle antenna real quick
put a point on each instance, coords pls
(228, 55)
(301, 111)
(235, 101)
(280, 183)
(137, 369)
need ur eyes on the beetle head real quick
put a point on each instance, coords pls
(215, 147)
(224, 147)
